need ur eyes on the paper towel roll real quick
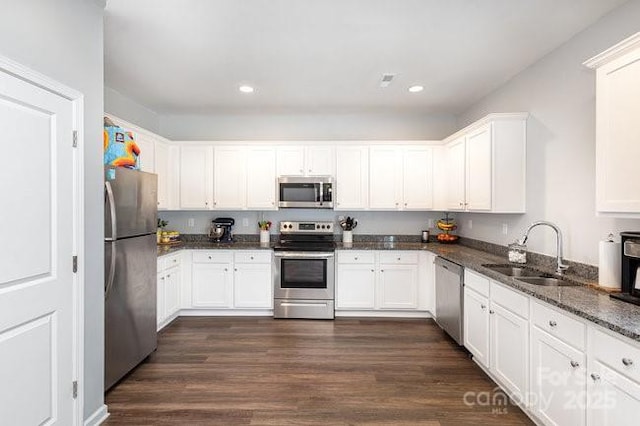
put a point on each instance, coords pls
(609, 266)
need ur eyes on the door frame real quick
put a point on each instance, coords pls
(77, 99)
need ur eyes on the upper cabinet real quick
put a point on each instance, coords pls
(196, 176)
(352, 177)
(305, 160)
(485, 166)
(617, 128)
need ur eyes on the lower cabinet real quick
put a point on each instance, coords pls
(169, 284)
(370, 280)
(228, 279)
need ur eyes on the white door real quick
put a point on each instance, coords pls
(478, 177)
(211, 285)
(352, 177)
(355, 286)
(146, 159)
(476, 325)
(455, 160)
(162, 170)
(417, 186)
(385, 178)
(398, 286)
(229, 180)
(36, 278)
(261, 178)
(613, 399)
(172, 291)
(252, 286)
(319, 160)
(510, 350)
(196, 177)
(290, 161)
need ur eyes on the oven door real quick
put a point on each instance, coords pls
(304, 275)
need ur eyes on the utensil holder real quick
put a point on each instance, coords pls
(265, 236)
(347, 237)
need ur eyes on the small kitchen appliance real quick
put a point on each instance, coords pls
(312, 192)
(630, 268)
(220, 230)
(304, 274)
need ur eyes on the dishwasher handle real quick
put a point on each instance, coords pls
(448, 265)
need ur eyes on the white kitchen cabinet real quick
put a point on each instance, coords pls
(400, 178)
(196, 176)
(212, 280)
(380, 280)
(172, 291)
(160, 311)
(169, 281)
(476, 325)
(261, 178)
(253, 279)
(163, 170)
(485, 166)
(398, 285)
(146, 159)
(305, 160)
(618, 128)
(229, 179)
(558, 380)
(352, 178)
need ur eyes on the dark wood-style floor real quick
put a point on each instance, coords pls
(261, 371)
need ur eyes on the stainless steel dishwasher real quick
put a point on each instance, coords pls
(449, 297)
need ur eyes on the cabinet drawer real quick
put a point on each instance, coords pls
(399, 257)
(212, 256)
(617, 354)
(559, 325)
(169, 261)
(509, 299)
(350, 256)
(477, 282)
(244, 256)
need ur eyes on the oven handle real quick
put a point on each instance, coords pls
(304, 255)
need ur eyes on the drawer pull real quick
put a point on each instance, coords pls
(627, 361)
(372, 270)
(209, 257)
(575, 364)
(552, 323)
(595, 377)
(251, 257)
(225, 269)
(355, 258)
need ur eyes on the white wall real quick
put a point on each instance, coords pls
(559, 93)
(63, 40)
(384, 223)
(121, 106)
(338, 125)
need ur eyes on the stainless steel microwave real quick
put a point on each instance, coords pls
(313, 192)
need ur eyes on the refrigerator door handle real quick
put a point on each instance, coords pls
(112, 271)
(112, 211)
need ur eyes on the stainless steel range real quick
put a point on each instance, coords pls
(304, 279)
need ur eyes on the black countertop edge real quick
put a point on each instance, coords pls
(585, 301)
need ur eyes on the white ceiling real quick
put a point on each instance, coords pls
(190, 56)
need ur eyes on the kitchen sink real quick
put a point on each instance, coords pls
(529, 275)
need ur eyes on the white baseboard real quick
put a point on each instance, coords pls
(384, 314)
(226, 312)
(98, 417)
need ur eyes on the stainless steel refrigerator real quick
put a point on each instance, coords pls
(131, 214)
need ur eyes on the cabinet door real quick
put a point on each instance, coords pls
(146, 159)
(211, 285)
(162, 170)
(417, 184)
(160, 311)
(617, 130)
(172, 291)
(558, 388)
(476, 325)
(319, 160)
(229, 181)
(352, 177)
(196, 177)
(355, 286)
(385, 178)
(478, 169)
(455, 170)
(509, 350)
(613, 399)
(261, 178)
(252, 286)
(398, 286)
(290, 160)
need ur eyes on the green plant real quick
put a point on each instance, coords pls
(162, 223)
(264, 225)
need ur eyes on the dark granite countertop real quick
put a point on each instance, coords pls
(585, 300)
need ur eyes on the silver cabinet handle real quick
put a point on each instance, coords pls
(235, 269)
(483, 306)
(491, 311)
(627, 361)
(595, 377)
(552, 323)
(225, 269)
(372, 270)
(355, 258)
(405, 204)
(251, 257)
(381, 270)
(575, 364)
(162, 278)
(399, 258)
(209, 257)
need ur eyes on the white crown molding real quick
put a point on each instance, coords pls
(486, 119)
(613, 52)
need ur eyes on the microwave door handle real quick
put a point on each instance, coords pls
(320, 193)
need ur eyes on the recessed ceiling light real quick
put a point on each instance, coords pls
(416, 89)
(245, 89)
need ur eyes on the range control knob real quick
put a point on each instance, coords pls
(323, 226)
(317, 226)
(329, 226)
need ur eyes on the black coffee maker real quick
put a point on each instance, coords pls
(220, 231)
(630, 268)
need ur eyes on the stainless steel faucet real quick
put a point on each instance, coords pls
(561, 265)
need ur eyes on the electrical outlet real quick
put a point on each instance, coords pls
(245, 221)
(430, 223)
(470, 224)
(191, 222)
(505, 229)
